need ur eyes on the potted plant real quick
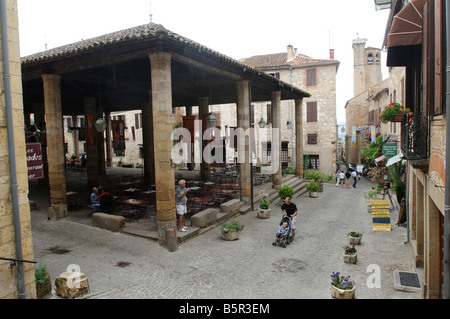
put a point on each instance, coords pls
(350, 255)
(264, 210)
(355, 237)
(284, 192)
(393, 112)
(313, 189)
(369, 208)
(342, 287)
(231, 229)
(43, 282)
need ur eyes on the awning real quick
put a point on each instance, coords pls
(406, 28)
(394, 159)
(379, 159)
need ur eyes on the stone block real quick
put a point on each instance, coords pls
(204, 218)
(109, 222)
(71, 285)
(232, 206)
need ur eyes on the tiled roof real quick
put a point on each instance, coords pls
(280, 60)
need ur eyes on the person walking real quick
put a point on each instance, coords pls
(337, 178)
(347, 179)
(290, 209)
(181, 202)
(355, 179)
(342, 178)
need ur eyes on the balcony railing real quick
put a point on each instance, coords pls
(415, 136)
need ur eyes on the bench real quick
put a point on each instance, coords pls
(107, 221)
(204, 218)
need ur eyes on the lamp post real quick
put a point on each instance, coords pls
(211, 121)
(383, 4)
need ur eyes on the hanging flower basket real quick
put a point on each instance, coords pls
(393, 112)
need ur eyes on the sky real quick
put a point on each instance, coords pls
(236, 28)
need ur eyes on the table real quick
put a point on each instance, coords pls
(137, 204)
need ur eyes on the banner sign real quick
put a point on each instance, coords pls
(35, 163)
(389, 150)
(381, 215)
(354, 134)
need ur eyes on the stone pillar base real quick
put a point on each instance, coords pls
(57, 212)
(167, 230)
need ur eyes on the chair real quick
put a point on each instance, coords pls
(107, 204)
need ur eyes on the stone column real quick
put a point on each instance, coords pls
(191, 165)
(75, 136)
(147, 139)
(276, 149)
(55, 146)
(108, 138)
(161, 75)
(243, 122)
(90, 111)
(205, 168)
(299, 137)
(39, 121)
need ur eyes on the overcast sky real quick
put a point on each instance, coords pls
(236, 28)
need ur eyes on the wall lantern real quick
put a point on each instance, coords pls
(289, 124)
(211, 121)
(100, 125)
(262, 123)
(383, 4)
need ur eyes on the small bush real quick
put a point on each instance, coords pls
(285, 191)
(313, 187)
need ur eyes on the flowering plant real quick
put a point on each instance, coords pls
(341, 282)
(390, 110)
(233, 225)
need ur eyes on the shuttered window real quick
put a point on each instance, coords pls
(312, 139)
(311, 78)
(311, 112)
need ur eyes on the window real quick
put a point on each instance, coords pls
(371, 116)
(269, 113)
(311, 162)
(312, 139)
(311, 112)
(266, 152)
(370, 59)
(276, 75)
(311, 77)
(137, 120)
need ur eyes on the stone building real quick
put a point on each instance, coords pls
(420, 48)
(372, 94)
(16, 278)
(318, 77)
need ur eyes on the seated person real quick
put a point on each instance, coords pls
(94, 200)
(106, 202)
(282, 233)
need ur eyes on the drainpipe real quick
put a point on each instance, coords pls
(11, 150)
(447, 164)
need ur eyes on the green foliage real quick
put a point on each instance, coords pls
(234, 224)
(285, 191)
(317, 176)
(374, 150)
(264, 203)
(349, 250)
(290, 170)
(354, 234)
(40, 274)
(312, 187)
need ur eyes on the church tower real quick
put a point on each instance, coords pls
(366, 66)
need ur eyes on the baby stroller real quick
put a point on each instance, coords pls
(284, 241)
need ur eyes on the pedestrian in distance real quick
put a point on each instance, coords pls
(342, 178)
(337, 178)
(355, 179)
(95, 200)
(181, 202)
(290, 209)
(348, 175)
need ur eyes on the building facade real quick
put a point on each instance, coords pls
(11, 287)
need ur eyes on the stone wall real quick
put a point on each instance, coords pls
(8, 273)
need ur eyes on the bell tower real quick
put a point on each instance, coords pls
(366, 66)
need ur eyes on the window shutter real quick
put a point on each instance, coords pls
(438, 69)
(311, 112)
(311, 77)
(312, 139)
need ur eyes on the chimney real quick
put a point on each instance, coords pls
(331, 54)
(290, 52)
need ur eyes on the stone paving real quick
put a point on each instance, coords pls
(122, 266)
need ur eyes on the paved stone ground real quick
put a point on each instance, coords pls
(127, 267)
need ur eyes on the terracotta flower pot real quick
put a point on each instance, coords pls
(342, 294)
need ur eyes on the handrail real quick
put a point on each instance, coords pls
(19, 260)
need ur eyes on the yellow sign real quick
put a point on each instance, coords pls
(381, 215)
